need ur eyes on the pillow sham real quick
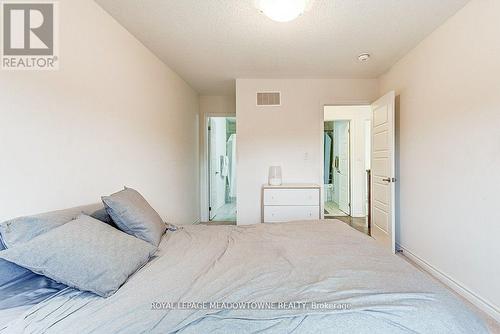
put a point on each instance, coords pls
(84, 254)
(133, 215)
(23, 229)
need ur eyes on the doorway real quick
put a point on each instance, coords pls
(337, 168)
(347, 157)
(221, 162)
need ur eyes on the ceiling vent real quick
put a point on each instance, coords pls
(269, 99)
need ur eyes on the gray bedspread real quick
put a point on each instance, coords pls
(328, 263)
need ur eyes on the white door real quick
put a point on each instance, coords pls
(216, 152)
(383, 171)
(343, 166)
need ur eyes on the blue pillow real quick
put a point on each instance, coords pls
(84, 254)
(133, 215)
(23, 229)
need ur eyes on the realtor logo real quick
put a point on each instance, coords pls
(29, 36)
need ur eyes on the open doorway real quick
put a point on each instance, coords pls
(221, 162)
(337, 167)
(347, 140)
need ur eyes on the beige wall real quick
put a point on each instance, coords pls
(449, 129)
(289, 135)
(113, 115)
(217, 104)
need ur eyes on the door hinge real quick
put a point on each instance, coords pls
(209, 128)
(209, 208)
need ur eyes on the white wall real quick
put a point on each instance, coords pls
(113, 115)
(290, 134)
(210, 105)
(357, 115)
(449, 144)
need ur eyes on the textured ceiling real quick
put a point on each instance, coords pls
(212, 42)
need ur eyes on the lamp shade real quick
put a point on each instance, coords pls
(275, 176)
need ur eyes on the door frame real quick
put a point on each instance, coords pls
(349, 144)
(321, 110)
(204, 165)
(353, 103)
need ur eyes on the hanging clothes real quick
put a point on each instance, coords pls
(224, 165)
(328, 158)
(231, 154)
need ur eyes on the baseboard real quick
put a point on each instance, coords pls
(479, 302)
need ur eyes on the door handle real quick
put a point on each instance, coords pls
(388, 179)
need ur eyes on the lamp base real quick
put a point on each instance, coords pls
(275, 181)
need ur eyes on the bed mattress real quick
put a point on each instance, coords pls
(304, 277)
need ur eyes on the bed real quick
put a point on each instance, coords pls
(345, 281)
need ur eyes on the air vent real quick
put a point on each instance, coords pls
(269, 99)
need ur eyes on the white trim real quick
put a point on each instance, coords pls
(459, 288)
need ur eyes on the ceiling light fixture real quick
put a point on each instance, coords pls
(364, 57)
(282, 10)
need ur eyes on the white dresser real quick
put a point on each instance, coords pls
(290, 202)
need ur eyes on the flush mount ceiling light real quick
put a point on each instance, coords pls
(364, 57)
(282, 10)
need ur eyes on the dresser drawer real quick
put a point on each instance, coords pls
(276, 214)
(302, 197)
